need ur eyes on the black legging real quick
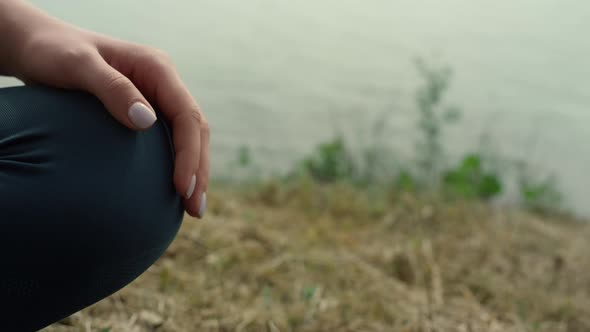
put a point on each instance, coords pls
(86, 204)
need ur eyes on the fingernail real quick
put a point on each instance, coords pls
(203, 204)
(191, 188)
(141, 116)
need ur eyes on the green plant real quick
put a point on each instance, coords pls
(308, 292)
(540, 195)
(377, 158)
(538, 192)
(469, 180)
(475, 176)
(244, 158)
(331, 161)
(432, 116)
(405, 181)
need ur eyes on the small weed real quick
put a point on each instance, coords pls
(469, 180)
(540, 194)
(244, 156)
(477, 175)
(330, 162)
(432, 118)
(308, 292)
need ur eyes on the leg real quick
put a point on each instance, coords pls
(86, 205)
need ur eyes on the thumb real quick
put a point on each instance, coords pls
(118, 94)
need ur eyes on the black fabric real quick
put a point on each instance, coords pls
(86, 204)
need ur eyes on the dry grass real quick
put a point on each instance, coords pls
(310, 258)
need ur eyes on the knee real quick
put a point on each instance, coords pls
(81, 196)
(110, 188)
(122, 180)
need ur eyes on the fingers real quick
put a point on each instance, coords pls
(187, 145)
(203, 180)
(119, 95)
(153, 73)
(191, 143)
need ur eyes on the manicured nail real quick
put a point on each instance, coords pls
(203, 204)
(191, 188)
(141, 116)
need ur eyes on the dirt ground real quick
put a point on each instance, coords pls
(313, 258)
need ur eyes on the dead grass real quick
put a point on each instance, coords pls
(310, 258)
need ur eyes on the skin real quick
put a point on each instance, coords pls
(37, 48)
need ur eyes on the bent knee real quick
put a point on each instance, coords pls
(70, 170)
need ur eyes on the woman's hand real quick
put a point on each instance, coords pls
(126, 77)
